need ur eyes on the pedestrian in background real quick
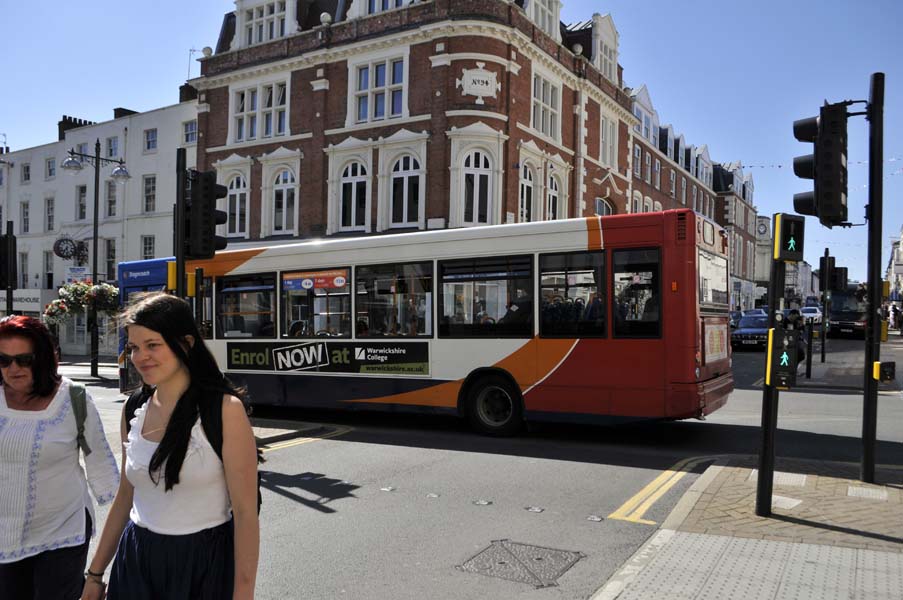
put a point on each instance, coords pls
(184, 518)
(46, 512)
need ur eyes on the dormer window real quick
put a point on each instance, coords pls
(608, 62)
(264, 23)
(542, 14)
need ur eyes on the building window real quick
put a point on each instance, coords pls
(647, 205)
(50, 168)
(477, 180)
(542, 15)
(672, 182)
(608, 145)
(49, 209)
(265, 23)
(150, 193)
(648, 168)
(26, 172)
(23, 270)
(150, 140)
(353, 215)
(647, 127)
(113, 147)
(525, 214)
(545, 107)
(603, 208)
(683, 191)
(608, 62)
(24, 211)
(248, 112)
(111, 198)
(147, 247)
(637, 161)
(81, 202)
(379, 90)
(553, 200)
(190, 132)
(377, 6)
(406, 192)
(284, 202)
(48, 269)
(658, 174)
(111, 259)
(83, 149)
(237, 212)
(701, 207)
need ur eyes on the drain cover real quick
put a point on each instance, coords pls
(524, 563)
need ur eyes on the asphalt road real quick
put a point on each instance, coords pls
(389, 506)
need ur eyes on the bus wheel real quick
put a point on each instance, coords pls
(493, 407)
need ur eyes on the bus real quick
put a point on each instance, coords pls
(598, 319)
(848, 312)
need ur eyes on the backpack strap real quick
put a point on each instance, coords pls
(136, 400)
(80, 410)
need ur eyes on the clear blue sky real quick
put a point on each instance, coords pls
(733, 75)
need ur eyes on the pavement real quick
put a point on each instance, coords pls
(829, 536)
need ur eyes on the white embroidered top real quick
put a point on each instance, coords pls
(199, 501)
(43, 488)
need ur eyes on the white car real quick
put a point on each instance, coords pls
(812, 313)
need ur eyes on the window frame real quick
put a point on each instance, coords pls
(49, 213)
(548, 113)
(429, 324)
(189, 134)
(144, 247)
(113, 146)
(49, 168)
(144, 195)
(81, 202)
(284, 332)
(371, 91)
(242, 196)
(526, 184)
(602, 284)
(218, 305)
(288, 190)
(415, 174)
(151, 142)
(25, 174)
(614, 321)
(355, 181)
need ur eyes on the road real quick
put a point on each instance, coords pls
(385, 506)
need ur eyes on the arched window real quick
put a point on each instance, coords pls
(637, 201)
(552, 200)
(354, 197)
(647, 205)
(525, 214)
(477, 187)
(657, 207)
(406, 192)
(237, 213)
(284, 202)
(603, 208)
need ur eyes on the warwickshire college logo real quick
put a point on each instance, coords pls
(301, 357)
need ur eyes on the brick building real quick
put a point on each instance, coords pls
(370, 117)
(736, 212)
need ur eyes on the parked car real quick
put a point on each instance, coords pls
(751, 332)
(735, 316)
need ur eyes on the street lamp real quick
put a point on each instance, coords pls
(120, 174)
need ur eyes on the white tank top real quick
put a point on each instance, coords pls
(199, 501)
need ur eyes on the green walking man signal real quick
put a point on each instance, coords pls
(785, 360)
(788, 237)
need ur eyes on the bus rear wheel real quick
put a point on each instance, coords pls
(494, 406)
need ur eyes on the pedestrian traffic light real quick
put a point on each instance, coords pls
(8, 253)
(788, 237)
(827, 166)
(203, 217)
(825, 273)
(783, 352)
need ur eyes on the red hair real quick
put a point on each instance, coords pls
(45, 366)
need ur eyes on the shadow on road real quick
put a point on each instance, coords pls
(321, 490)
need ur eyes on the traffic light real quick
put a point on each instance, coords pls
(827, 166)
(839, 281)
(825, 273)
(203, 217)
(783, 355)
(788, 237)
(8, 254)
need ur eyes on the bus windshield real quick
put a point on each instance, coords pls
(712, 278)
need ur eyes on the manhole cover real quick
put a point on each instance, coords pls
(524, 563)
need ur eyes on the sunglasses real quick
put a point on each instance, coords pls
(23, 360)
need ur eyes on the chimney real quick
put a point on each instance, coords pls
(67, 123)
(118, 113)
(187, 92)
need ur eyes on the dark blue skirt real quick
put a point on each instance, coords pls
(151, 566)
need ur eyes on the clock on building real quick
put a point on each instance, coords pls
(763, 228)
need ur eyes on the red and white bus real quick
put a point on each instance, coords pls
(597, 319)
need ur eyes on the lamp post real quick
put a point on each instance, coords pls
(120, 174)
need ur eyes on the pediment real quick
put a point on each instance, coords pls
(232, 161)
(282, 153)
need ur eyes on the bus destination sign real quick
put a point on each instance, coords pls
(370, 358)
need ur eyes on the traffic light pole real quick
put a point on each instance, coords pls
(826, 285)
(180, 208)
(765, 482)
(873, 333)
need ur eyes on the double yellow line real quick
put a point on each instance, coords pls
(339, 430)
(634, 509)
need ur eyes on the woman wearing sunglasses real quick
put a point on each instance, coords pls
(46, 513)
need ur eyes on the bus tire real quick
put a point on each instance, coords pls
(494, 406)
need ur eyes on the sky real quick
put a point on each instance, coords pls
(733, 75)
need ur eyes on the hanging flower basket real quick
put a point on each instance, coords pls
(105, 296)
(57, 312)
(80, 295)
(75, 295)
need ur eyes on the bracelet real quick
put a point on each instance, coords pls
(95, 578)
(91, 573)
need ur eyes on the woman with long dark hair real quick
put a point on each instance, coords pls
(185, 519)
(46, 513)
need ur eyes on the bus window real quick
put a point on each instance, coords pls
(487, 297)
(394, 300)
(637, 293)
(572, 288)
(246, 306)
(316, 303)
